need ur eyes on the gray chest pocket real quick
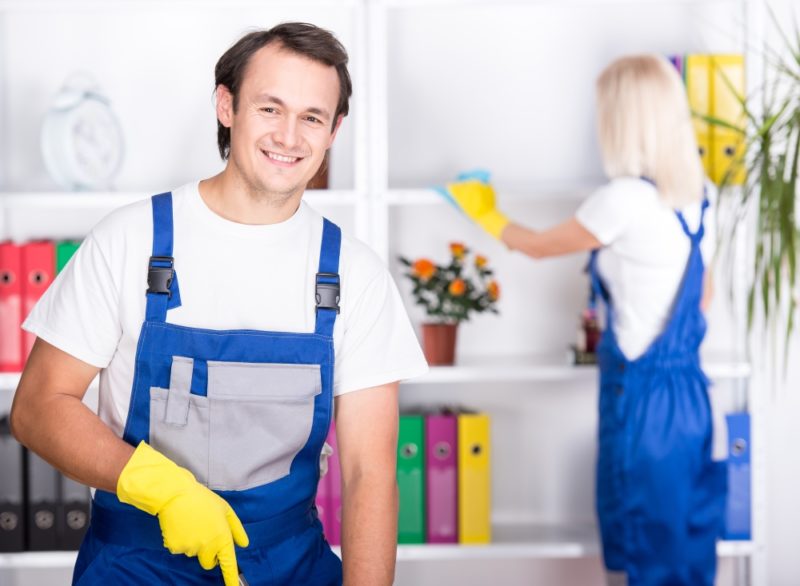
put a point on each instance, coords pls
(260, 418)
(247, 431)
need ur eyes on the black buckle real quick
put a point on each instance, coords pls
(327, 294)
(159, 278)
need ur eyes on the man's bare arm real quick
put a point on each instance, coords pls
(366, 431)
(49, 418)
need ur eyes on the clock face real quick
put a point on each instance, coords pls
(96, 142)
(82, 144)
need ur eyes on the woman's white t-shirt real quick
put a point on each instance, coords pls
(644, 254)
(231, 276)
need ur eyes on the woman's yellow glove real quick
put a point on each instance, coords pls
(194, 520)
(473, 194)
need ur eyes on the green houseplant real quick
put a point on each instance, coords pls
(449, 293)
(772, 138)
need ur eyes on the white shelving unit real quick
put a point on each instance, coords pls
(547, 369)
(511, 375)
(534, 542)
(378, 204)
(38, 560)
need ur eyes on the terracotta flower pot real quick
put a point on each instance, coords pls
(439, 343)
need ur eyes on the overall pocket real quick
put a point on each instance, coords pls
(179, 421)
(261, 417)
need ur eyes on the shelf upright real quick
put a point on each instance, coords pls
(754, 394)
(378, 127)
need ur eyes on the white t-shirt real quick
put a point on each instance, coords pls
(644, 255)
(230, 276)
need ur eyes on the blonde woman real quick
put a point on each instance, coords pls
(660, 497)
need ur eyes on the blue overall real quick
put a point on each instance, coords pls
(660, 497)
(247, 412)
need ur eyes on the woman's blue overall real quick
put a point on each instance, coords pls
(247, 412)
(660, 497)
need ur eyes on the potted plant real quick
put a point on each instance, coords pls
(450, 293)
(772, 137)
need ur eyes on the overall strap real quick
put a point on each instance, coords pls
(162, 282)
(697, 236)
(597, 289)
(327, 284)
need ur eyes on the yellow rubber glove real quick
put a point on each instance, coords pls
(194, 520)
(473, 194)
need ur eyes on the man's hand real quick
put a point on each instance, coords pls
(194, 520)
(473, 194)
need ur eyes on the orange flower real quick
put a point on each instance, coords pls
(457, 288)
(493, 289)
(480, 261)
(457, 250)
(423, 268)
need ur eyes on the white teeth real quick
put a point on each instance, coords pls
(281, 158)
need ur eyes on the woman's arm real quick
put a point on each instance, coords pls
(708, 291)
(475, 197)
(565, 238)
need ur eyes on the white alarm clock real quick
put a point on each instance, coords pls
(81, 138)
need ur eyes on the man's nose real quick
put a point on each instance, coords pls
(286, 133)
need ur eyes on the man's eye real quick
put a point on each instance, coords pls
(313, 119)
(268, 110)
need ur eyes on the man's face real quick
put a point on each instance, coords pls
(283, 120)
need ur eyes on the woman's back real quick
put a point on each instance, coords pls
(644, 255)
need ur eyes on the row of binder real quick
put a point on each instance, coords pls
(443, 476)
(26, 270)
(40, 509)
(443, 473)
(715, 85)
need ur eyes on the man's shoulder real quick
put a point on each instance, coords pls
(360, 259)
(355, 255)
(133, 221)
(126, 220)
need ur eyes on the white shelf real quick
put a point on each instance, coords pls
(113, 199)
(538, 193)
(510, 542)
(544, 369)
(504, 369)
(537, 542)
(38, 559)
(10, 380)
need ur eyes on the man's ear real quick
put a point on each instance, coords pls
(224, 106)
(335, 129)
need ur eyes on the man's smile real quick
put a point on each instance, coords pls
(281, 160)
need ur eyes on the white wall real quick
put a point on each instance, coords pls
(156, 65)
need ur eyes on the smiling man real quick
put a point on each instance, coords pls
(224, 317)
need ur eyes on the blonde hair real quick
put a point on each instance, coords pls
(645, 127)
